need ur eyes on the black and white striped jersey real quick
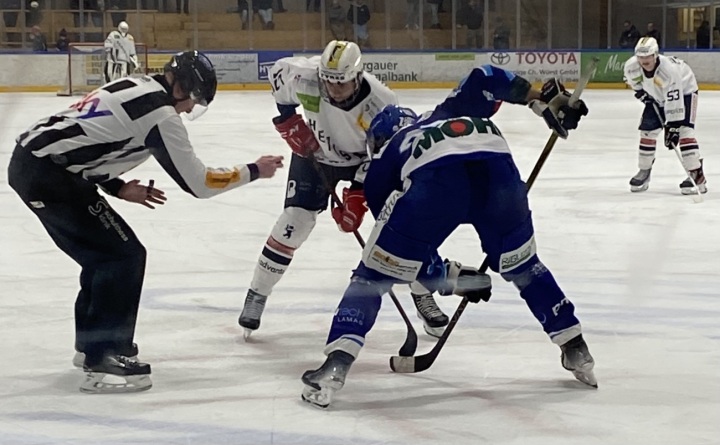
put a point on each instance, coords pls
(120, 125)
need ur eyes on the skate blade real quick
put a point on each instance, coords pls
(586, 376)
(638, 188)
(247, 333)
(318, 398)
(102, 383)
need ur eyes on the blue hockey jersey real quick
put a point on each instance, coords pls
(458, 128)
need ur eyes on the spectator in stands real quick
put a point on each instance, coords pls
(434, 19)
(359, 15)
(654, 33)
(413, 14)
(316, 8)
(336, 17)
(37, 39)
(244, 12)
(629, 36)
(702, 36)
(265, 11)
(62, 43)
(501, 35)
(471, 15)
(280, 7)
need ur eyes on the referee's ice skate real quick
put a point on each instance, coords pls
(322, 383)
(114, 373)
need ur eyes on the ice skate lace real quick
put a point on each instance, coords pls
(427, 306)
(254, 306)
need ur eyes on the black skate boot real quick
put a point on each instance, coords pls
(114, 373)
(433, 318)
(132, 352)
(251, 313)
(322, 383)
(576, 358)
(641, 181)
(687, 188)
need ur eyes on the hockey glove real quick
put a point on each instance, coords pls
(466, 282)
(672, 135)
(550, 89)
(558, 114)
(350, 215)
(644, 97)
(297, 134)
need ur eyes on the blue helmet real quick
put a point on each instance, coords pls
(385, 124)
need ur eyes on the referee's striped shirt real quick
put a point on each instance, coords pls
(117, 127)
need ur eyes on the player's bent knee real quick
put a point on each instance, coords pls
(522, 277)
(294, 226)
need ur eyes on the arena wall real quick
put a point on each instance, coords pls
(22, 72)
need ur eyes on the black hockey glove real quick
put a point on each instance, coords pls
(550, 89)
(466, 282)
(672, 135)
(570, 116)
(644, 97)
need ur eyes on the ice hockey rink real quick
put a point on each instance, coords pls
(642, 270)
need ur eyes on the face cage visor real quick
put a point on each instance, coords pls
(200, 107)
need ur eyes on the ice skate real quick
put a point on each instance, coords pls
(576, 358)
(322, 383)
(686, 187)
(116, 374)
(433, 318)
(641, 181)
(251, 313)
(79, 358)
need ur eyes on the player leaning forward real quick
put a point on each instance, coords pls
(120, 56)
(339, 100)
(667, 87)
(59, 163)
(431, 174)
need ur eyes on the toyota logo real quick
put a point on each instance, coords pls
(500, 58)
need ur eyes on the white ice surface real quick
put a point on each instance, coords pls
(642, 270)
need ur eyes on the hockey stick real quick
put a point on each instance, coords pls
(410, 346)
(423, 362)
(697, 196)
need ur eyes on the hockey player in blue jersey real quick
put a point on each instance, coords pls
(428, 175)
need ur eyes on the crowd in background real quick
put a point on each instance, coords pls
(347, 20)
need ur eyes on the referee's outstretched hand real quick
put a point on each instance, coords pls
(146, 195)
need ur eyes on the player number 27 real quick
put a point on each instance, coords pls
(673, 95)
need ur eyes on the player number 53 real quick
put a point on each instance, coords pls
(673, 95)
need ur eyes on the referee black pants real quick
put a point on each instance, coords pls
(84, 226)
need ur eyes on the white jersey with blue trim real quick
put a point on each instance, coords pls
(669, 83)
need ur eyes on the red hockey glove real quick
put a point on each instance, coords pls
(297, 135)
(350, 216)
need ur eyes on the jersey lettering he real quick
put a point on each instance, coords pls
(92, 112)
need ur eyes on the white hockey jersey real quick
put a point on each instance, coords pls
(673, 79)
(341, 133)
(118, 127)
(120, 49)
